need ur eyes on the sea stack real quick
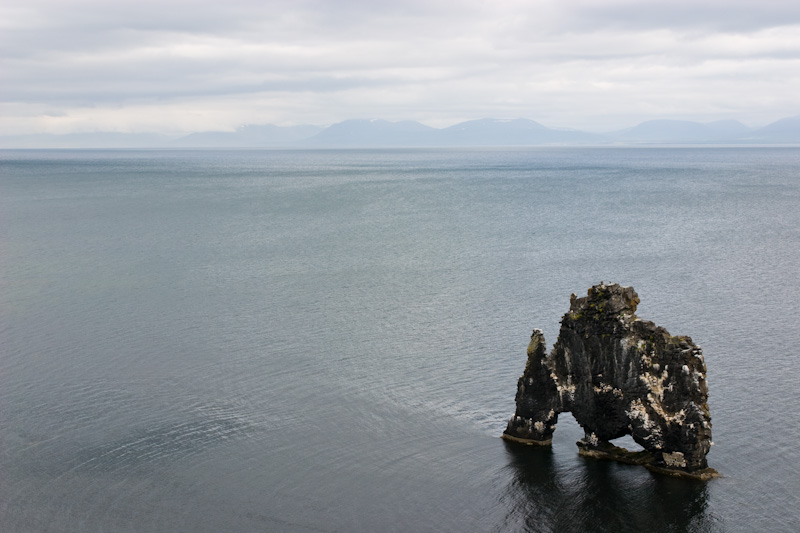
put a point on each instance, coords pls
(618, 375)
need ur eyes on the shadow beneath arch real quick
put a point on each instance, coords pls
(548, 494)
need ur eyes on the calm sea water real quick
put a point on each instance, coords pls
(330, 340)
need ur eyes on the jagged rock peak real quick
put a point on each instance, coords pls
(610, 300)
(618, 375)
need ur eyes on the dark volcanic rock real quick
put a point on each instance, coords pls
(618, 375)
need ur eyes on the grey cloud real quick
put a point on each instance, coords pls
(79, 92)
(720, 15)
(365, 56)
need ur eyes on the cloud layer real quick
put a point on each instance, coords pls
(176, 66)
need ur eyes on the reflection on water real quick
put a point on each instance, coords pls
(599, 496)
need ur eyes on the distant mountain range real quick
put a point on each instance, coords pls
(247, 136)
(385, 134)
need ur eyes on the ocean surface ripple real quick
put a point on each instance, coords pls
(330, 340)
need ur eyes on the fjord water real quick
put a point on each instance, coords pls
(330, 340)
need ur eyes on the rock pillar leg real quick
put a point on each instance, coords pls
(537, 399)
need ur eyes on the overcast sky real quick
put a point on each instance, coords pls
(174, 66)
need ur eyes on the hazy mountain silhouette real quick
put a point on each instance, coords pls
(682, 131)
(85, 140)
(373, 133)
(385, 134)
(482, 132)
(516, 132)
(249, 136)
(783, 130)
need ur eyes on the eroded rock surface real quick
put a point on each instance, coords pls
(618, 375)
